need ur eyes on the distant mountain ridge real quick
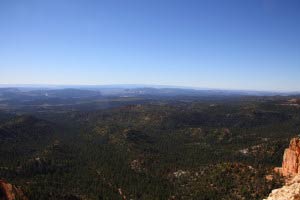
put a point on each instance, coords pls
(87, 91)
(138, 86)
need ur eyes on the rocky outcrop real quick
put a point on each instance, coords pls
(10, 192)
(291, 159)
(291, 191)
(291, 171)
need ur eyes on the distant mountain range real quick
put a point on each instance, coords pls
(79, 91)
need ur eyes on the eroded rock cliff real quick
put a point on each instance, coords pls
(291, 171)
(10, 192)
(291, 159)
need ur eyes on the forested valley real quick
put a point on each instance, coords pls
(145, 147)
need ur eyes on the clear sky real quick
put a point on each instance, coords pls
(231, 44)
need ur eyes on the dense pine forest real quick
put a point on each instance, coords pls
(81, 145)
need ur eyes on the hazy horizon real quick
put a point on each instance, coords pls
(135, 86)
(233, 45)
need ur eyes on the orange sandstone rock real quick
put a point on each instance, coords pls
(291, 159)
(10, 192)
(291, 170)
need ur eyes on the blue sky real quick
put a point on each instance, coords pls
(232, 44)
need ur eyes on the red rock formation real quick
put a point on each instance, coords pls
(291, 170)
(10, 192)
(291, 159)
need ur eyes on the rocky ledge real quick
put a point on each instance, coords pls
(290, 191)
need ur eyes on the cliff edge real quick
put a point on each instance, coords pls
(290, 191)
(291, 171)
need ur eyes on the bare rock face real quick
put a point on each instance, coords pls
(291, 171)
(291, 191)
(291, 159)
(10, 192)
